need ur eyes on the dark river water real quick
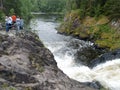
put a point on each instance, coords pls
(64, 50)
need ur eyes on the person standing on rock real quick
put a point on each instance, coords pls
(17, 24)
(21, 23)
(8, 22)
(13, 19)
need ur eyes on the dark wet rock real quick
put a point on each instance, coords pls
(16, 77)
(94, 84)
(105, 57)
(25, 64)
(87, 54)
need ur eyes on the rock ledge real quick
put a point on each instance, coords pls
(25, 64)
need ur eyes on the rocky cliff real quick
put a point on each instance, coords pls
(25, 64)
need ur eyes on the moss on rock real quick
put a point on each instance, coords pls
(92, 28)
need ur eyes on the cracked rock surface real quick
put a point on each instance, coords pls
(25, 64)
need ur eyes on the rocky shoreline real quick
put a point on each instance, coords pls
(25, 64)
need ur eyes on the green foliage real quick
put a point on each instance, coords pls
(92, 7)
(11, 11)
(26, 9)
(95, 7)
(51, 5)
(105, 36)
(97, 10)
(2, 15)
(112, 8)
(21, 8)
(12, 4)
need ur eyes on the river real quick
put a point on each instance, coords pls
(63, 49)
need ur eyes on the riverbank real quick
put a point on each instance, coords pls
(25, 64)
(103, 31)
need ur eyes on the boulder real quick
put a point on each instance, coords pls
(25, 64)
(105, 57)
(86, 54)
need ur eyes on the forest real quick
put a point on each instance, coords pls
(92, 8)
(96, 16)
(24, 8)
(19, 7)
(95, 8)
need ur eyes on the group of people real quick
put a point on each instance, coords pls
(14, 22)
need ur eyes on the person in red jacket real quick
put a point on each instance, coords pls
(13, 18)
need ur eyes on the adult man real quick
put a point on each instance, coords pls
(8, 23)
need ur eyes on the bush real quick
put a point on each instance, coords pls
(2, 15)
(106, 37)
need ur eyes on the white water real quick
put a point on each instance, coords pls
(108, 74)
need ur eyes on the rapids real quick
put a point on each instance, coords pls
(108, 74)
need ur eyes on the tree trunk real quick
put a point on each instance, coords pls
(1, 4)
